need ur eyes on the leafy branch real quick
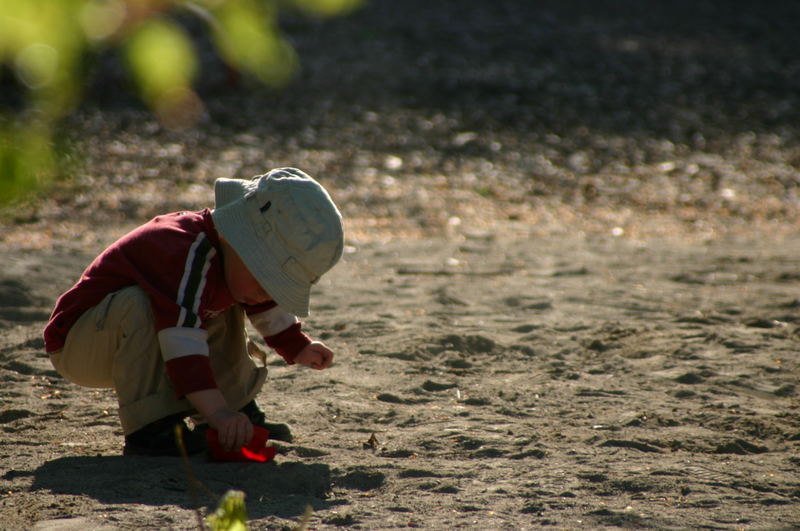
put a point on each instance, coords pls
(43, 44)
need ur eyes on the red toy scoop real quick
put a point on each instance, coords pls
(256, 450)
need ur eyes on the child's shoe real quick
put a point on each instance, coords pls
(158, 439)
(279, 432)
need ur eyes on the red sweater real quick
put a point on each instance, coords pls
(174, 258)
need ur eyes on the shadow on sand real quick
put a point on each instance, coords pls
(283, 490)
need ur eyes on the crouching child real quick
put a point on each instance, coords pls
(159, 316)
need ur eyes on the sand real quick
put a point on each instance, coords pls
(483, 382)
(562, 305)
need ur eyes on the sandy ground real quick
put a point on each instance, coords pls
(483, 382)
(569, 298)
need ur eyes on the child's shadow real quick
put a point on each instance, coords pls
(283, 490)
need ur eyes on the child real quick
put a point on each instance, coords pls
(159, 315)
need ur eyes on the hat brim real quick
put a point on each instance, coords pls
(233, 223)
(226, 191)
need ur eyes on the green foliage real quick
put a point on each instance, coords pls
(231, 515)
(251, 46)
(43, 43)
(25, 153)
(160, 55)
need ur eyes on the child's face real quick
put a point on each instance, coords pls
(242, 285)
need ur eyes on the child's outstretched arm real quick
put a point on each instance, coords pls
(315, 355)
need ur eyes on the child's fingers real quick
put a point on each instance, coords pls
(319, 361)
(237, 433)
(239, 438)
(245, 435)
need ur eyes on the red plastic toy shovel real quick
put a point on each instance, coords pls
(256, 450)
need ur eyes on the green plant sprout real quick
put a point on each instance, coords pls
(231, 512)
(231, 515)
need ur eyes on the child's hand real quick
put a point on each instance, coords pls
(234, 429)
(315, 355)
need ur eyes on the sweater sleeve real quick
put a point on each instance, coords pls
(289, 343)
(281, 330)
(186, 358)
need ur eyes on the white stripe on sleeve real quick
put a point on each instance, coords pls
(272, 321)
(180, 341)
(193, 281)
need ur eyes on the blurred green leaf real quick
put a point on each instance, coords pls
(164, 64)
(43, 42)
(37, 65)
(231, 515)
(26, 160)
(161, 58)
(102, 19)
(248, 39)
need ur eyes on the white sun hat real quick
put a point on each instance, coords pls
(285, 228)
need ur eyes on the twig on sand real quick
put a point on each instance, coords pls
(302, 525)
(194, 484)
(450, 272)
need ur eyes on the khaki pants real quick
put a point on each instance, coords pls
(114, 345)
